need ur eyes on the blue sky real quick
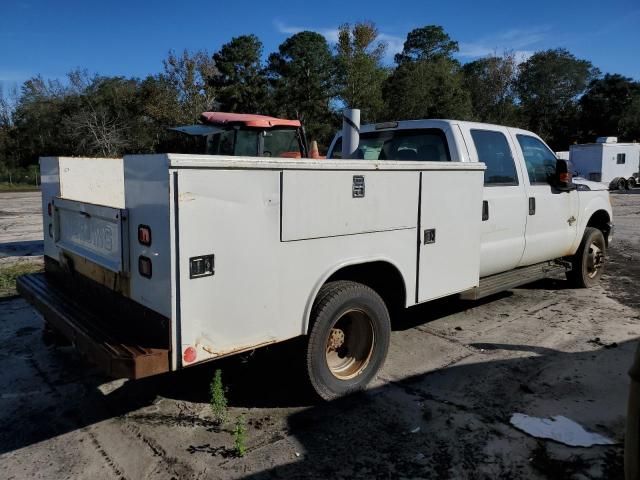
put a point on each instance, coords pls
(116, 37)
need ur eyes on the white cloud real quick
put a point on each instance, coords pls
(521, 42)
(331, 34)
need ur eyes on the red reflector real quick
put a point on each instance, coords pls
(49, 208)
(565, 177)
(144, 235)
(189, 355)
(144, 266)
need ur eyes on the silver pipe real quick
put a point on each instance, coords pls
(350, 131)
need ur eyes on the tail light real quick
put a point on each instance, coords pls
(144, 235)
(189, 355)
(144, 266)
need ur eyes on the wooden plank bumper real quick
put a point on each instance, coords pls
(106, 347)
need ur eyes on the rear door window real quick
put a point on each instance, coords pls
(425, 144)
(493, 150)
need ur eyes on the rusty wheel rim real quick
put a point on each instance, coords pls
(595, 260)
(350, 344)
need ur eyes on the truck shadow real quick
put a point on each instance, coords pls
(50, 392)
(26, 248)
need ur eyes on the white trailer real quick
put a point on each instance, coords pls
(197, 257)
(607, 161)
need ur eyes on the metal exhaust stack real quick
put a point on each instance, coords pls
(350, 131)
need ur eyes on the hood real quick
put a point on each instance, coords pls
(592, 185)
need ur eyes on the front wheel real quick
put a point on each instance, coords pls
(588, 262)
(349, 338)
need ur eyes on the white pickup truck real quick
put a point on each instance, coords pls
(155, 263)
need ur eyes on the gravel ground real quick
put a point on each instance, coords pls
(455, 374)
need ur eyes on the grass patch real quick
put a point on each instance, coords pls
(18, 187)
(10, 272)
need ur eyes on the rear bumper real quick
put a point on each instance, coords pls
(104, 342)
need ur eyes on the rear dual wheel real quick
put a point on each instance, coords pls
(349, 338)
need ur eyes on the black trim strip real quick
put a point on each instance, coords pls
(349, 234)
(178, 319)
(351, 123)
(418, 239)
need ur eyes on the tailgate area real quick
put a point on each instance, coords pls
(123, 342)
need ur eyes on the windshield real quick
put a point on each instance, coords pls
(427, 144)
(281, 143)
(249, 142)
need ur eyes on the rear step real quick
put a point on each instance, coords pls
(90, 334)
(513, 278)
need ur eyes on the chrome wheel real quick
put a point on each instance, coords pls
(350, 344)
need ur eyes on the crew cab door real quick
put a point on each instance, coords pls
(552, 220)
(504, 199)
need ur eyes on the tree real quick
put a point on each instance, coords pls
(549, 85)
(427, 82)
(240, 82)
(629, 125)
(302, 75)
(427, 43)
(190, 76)
(604, 104)
(360, 73)
(427, 89)
(491, 83)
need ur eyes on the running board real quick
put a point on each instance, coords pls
(514, 278)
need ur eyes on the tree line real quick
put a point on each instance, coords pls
(562, 98)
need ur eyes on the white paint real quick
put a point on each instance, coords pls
(560, 429)
(92, 180)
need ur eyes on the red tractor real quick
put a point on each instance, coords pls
(243, 134)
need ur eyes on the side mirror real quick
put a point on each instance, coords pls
(563, 178)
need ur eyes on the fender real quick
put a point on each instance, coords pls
(590, 204)
(337, 267)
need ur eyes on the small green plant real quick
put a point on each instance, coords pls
(240, 437)
(218, 399)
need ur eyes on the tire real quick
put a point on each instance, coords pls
(622, 184)
(348, 340)
(589, 261)
(631, 183)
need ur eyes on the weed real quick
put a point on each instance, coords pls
(218, 399)
(240, 437)
(9, 273)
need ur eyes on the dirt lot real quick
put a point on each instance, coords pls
(456, 373)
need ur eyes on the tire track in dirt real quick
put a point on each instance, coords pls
(108, 460)
(170, 464)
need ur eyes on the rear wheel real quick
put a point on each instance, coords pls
(622, 184)
(349, 338)
(588, 262)
(631, 183)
